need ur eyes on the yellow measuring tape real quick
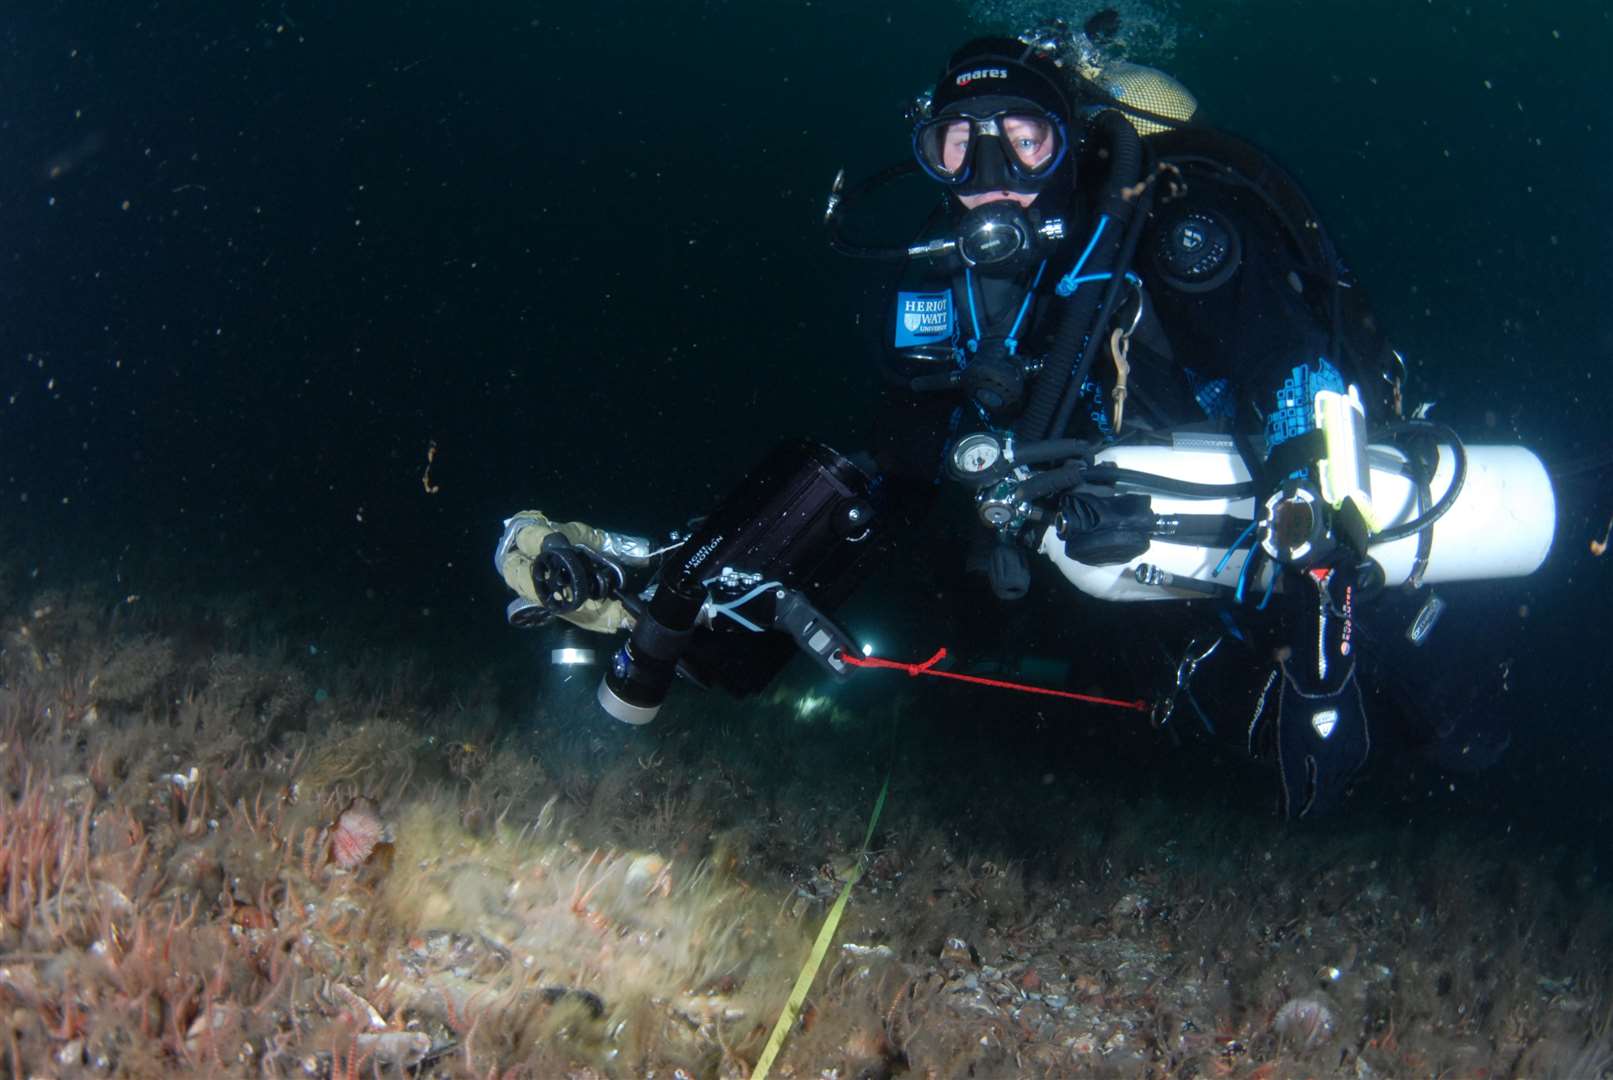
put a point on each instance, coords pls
(820, 947)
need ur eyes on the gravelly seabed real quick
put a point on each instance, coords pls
(224, 853)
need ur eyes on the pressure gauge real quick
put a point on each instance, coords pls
(976, 454)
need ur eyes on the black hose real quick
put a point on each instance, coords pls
(1095, 339)
(1104, 473)
(1447, 500)
(1203, 530)
(1082, 311)
(1111, 296)
(850, 198)
(1079, 472)
(1037, 453)
(1052, 450)
(1051, 482)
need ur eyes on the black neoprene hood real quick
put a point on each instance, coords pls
(1001, 67)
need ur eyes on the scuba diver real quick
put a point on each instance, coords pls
(1129, 337)
(1098, 288)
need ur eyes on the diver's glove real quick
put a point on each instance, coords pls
(1310, 707)
(567, 570)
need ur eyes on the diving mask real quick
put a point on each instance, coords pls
(991, 144)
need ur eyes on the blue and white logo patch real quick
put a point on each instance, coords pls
(923, 318)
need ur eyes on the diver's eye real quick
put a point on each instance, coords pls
(955, 146)
(1030, 138)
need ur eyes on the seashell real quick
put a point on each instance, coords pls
(958, 951)
(1308, 1021)
(645, 873)
(357, 832)
(211, 1026)
(402, 1048)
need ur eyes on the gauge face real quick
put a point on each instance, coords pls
(976, 453)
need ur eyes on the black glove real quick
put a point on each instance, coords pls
(1311, 705)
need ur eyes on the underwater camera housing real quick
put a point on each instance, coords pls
(780, 547)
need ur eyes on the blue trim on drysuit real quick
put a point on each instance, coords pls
(1011, 342)
(1069, 282)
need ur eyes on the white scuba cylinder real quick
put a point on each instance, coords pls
(1501, 524)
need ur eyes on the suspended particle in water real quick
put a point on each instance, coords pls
(1599, 547)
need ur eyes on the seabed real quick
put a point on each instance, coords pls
(224, 852)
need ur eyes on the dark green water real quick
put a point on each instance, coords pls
(255, 260)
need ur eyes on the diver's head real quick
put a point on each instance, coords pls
(998, 126)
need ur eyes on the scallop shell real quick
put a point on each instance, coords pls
(357, 832)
